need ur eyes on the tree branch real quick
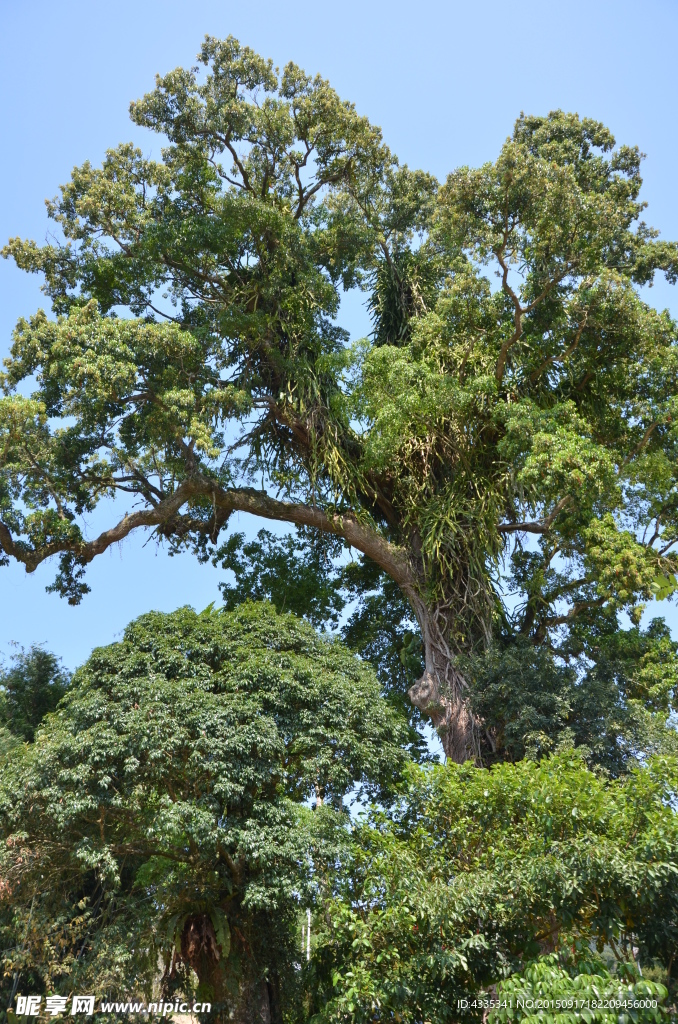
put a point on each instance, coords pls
(541, 525)
(517, 318)
(391, 558)
(577, 607)
(519, 311)
(642, 443)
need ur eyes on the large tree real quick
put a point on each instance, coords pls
(503, 446)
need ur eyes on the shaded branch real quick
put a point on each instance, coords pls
(642, 443)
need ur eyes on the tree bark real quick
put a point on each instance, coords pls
(254, 1004)
(165, 516)
(442, 691)
(254, 1000)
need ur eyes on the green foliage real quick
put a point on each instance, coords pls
(30, 688)
(502, 451)
(293, 573)
(512, 419)
(301, 574)
(525, 700)
(163, 809)
(481, 871)
(7, 740)
(616, 701)
(549, 994)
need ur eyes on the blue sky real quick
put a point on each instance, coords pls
(444, 80)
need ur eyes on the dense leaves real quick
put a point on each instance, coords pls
(481, 871)
(616, 701)
(293, 573)
(545, 992)
(163, 809)
(161, 815)
(30, 688)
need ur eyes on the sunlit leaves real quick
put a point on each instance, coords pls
(483, 870)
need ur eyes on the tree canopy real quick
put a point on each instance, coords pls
(163, 808)
(503, 446)
(185, 802)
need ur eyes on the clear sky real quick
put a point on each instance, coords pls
(445, 81)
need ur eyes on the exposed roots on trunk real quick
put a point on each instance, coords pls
(450, 716)
(442, 691)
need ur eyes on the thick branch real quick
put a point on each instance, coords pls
(392, 559)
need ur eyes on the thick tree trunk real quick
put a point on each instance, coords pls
(254, 1004)
(441, 692)
(254, 1000)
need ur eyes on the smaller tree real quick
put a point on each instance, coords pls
(164, 809)
(30, 688)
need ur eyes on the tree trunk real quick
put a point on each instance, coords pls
(254, 1004)
(442, 692)
(253, 1000)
